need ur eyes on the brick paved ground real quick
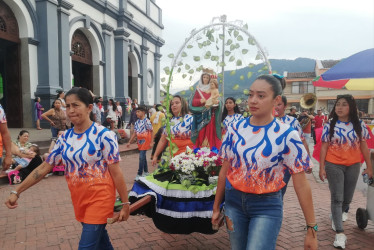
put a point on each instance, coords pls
(45, 220)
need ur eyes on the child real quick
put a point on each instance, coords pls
(143, 131)
(214, 93)
(20, 163)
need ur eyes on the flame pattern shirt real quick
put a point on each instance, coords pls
(181, 127)
(229, 120)
(259, 155)
(143, 129)
(344, 146)
(294, 123)
(86, 158)
(2, 115)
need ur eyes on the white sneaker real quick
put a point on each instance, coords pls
(344, 216)
(340, 240)
(145, 174)
(137, 177)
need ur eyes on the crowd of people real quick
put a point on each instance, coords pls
(260, 154)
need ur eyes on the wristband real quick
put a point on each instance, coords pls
(125, 203)
(14, 192)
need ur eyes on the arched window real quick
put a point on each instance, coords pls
(2, 25)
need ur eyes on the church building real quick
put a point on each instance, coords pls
(111, 47)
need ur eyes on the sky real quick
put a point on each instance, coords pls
(288, 29)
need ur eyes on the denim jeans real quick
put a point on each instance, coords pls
(54, 132)
(142, 162)
(286, 179)
(94, 236)
(253, 221)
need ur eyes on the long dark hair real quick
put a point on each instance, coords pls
(21, 133)
(236, 108)
(114, 106)
(276, 84)
(82, 94)
(353, 116)
(184, 109)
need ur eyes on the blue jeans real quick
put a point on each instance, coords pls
(253, 221)
(286, 179)
(142, 162)
(54, 132)
(94, 236)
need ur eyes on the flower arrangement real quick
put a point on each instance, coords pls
(193, 167)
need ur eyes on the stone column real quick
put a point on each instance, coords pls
(64, 44)
(144, 85)
(48, 51)
(157, 58)
(121, 63)
(107, 66)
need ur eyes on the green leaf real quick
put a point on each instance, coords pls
(233, 72)
(238, 101)
(179, 70)
(206, 57)
(258, 56)
(164, 86)
(251, 65)
(163, 79)
(249, 75)
(220, 75)
(192, 88)
(191, 71)
(239, 62)
(190, 76)
(180, 64)
(200, 45)
(221, 64)
(199, 68)
(204, 43)
(196, 58)
(237, 45)
(246, 91)
(232, 58)
(167, 70)
(184, 54)
(221, 36)
(171, 55)
(251, 41)
(183, 92)
(208, 53)
(275, 72)
(184, 76)
(236, 87)
(244, 51)
(211, 38)
(230, 31)
(189, 46)
(236, 33)
(229, 42)
(187, 67)
(242, 77)
(232, 47)
(227, 53)
(245, 26)
(239, 38)
(162, 94)
(245, 114)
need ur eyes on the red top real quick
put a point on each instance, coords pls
(319, 120)
(196, 101)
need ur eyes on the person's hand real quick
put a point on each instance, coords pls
(7, 162)
(154, 161)
(310, 241)
(322, 173)
(11, 202)
(128, 144)
(124, 213)
(202, 100)
(369, 172)
(52, 124)
(216, 219)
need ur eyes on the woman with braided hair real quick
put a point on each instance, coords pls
(343, 140)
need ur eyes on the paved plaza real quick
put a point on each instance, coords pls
(45, 220)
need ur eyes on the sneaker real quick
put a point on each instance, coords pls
(137, 177)
(145, 174)
(344, 216)
(340, 240)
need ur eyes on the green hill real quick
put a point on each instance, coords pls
(236, 83)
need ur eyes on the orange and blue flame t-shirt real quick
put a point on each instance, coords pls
(294, 123)
(180, 128)
(259, 155)
(86, 158)
(229, 120)
(143, 129)
(344, 146)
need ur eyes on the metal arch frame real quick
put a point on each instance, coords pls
(224, 25)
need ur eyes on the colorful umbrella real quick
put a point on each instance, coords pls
(355, 73)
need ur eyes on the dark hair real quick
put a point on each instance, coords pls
(353, 116)
(37, 150)
(184, 109)
(284, 100)
(53, 103)
(59, 92)
(37, 99)
(225, 112)
(202, 75)
(83, 95)
(133, 104)
(158, 106)
(21, 133)
(143, 109)
(114, 106)
(274, 83)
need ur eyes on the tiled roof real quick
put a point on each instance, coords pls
(301, 74)
(326, 64)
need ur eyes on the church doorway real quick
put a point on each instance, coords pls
(81, 61)
(10, 77)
